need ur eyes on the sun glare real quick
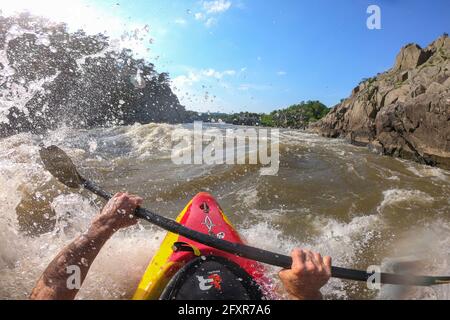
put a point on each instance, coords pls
(81, 14)
(76, 13)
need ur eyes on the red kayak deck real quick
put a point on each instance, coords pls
(202, 214)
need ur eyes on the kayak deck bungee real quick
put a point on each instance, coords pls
(202, 214)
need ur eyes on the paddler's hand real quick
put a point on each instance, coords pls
(118, 212)
(309, 273)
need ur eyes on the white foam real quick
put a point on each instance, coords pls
(249, 197)
(394, 197)
(429, 172)
(340, 240)
(150, 137)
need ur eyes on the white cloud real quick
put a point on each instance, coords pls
(216, 74)
(210, 22)
(183, 82)
(210, 10)
(211, 73)
(229, 72)
(199, 16)
(281, 73)
(217, 6)
(253, 86)
(180, 21)
(194, 88)
(87, 17)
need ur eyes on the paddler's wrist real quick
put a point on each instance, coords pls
(102, 228)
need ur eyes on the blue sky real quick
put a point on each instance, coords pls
(260, 55)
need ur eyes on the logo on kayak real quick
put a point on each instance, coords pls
(209, 224)
(212, 281)
(220, 235)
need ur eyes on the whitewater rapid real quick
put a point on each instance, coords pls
(357, 206)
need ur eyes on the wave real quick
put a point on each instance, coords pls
(395, 197)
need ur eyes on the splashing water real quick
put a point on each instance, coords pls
(359, 217)
(359, 207)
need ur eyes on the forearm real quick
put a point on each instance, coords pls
(53, 283)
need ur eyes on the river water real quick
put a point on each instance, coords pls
(348, 202)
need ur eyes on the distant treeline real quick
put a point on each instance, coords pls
(297, 116)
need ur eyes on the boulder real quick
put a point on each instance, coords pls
(418, 90)
(410, 56)
(435, 87)
(399, 94)
(417, 130)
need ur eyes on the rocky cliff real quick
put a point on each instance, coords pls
(403, 112)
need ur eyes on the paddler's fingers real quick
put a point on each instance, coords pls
(137, 201)
(311, 264)
(318, 261)
(327, 262)
(132, 200)
(298, 261)
(318, 258)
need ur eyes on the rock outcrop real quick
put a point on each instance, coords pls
(403, 112)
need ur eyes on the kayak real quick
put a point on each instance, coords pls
(183, 269)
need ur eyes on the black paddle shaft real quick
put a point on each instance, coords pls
(261, 255)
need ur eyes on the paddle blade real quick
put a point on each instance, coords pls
(58, 163)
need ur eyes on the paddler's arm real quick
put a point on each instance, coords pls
(79, 255)
(309, 273)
